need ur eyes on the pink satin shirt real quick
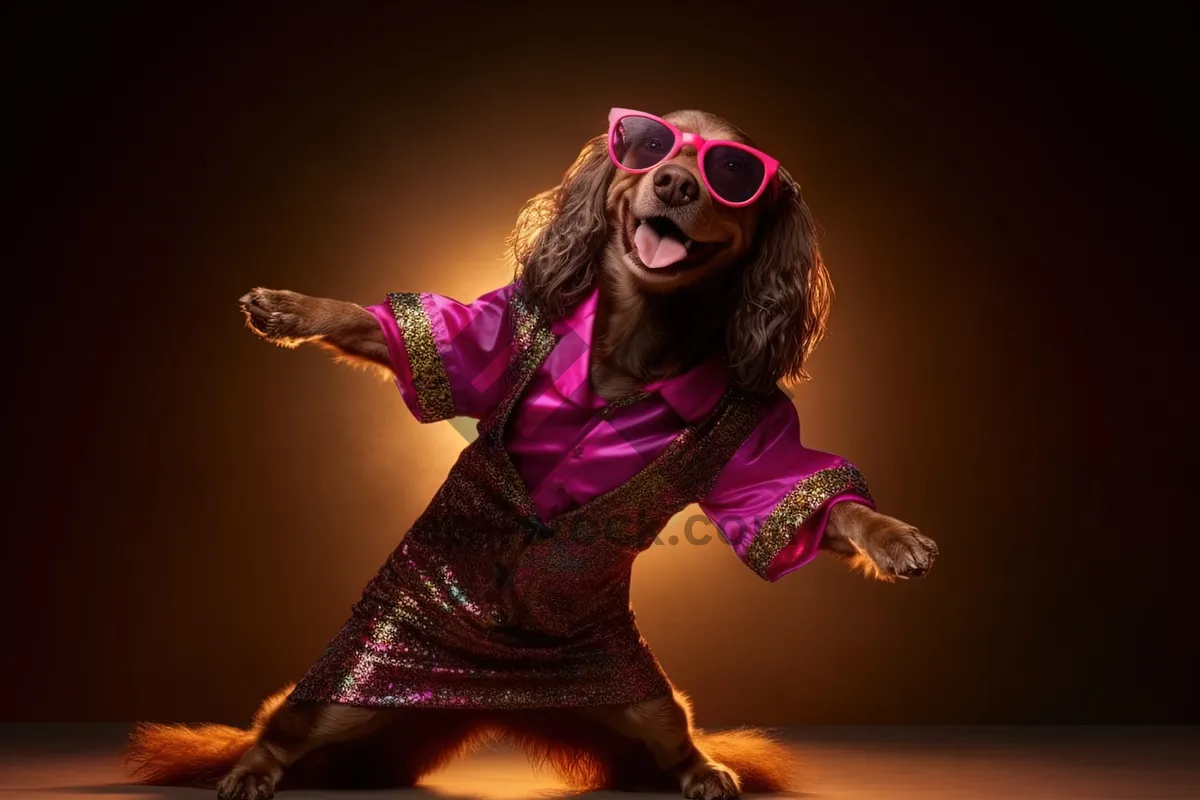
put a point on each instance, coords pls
(570, 445)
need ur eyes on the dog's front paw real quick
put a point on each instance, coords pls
(897, 550)
(277, 315)
(710, 781)
(246, 785)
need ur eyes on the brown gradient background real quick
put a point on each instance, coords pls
(194, 511)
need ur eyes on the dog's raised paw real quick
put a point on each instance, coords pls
(246, 786)
(274, 314)
(711, 782)
(903, 552)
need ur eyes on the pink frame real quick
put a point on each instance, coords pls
(770, 171)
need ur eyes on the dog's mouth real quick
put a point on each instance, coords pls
(657, 243)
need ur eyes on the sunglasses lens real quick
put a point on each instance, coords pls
(734, 174)
(640, 143)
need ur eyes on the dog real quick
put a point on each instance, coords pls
(694, 254)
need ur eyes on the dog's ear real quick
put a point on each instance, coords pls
(785, 299)
(560, 233)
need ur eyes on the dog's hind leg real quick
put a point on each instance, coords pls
(664, 726)
(705, 766)
(292, 732)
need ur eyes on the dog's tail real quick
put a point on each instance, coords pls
(193, 755)
(762, 763)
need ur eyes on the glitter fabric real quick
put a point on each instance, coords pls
(797, 507)
(428, 374)
(486, 605)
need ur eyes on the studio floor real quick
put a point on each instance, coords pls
(51, 762)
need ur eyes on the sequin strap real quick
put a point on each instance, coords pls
(730, 422)
(428, 372)
(532, 341)
(796, 507)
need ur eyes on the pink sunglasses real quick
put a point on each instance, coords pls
(733, 173)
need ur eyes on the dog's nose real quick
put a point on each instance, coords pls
(675, 186)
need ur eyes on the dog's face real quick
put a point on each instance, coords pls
(657, 215)
(764, 257)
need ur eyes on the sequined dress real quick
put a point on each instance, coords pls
(497, 598)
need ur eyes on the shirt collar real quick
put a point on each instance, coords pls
(690, 395)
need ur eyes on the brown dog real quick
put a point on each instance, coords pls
(753, 288)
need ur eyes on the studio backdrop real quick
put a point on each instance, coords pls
(195, 510)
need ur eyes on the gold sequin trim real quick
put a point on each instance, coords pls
(428, 372)
(796, 507)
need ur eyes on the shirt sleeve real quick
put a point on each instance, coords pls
(771, 501)
(450, 358)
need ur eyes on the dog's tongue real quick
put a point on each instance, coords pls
(657, 251)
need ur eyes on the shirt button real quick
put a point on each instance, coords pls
(578, 451)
